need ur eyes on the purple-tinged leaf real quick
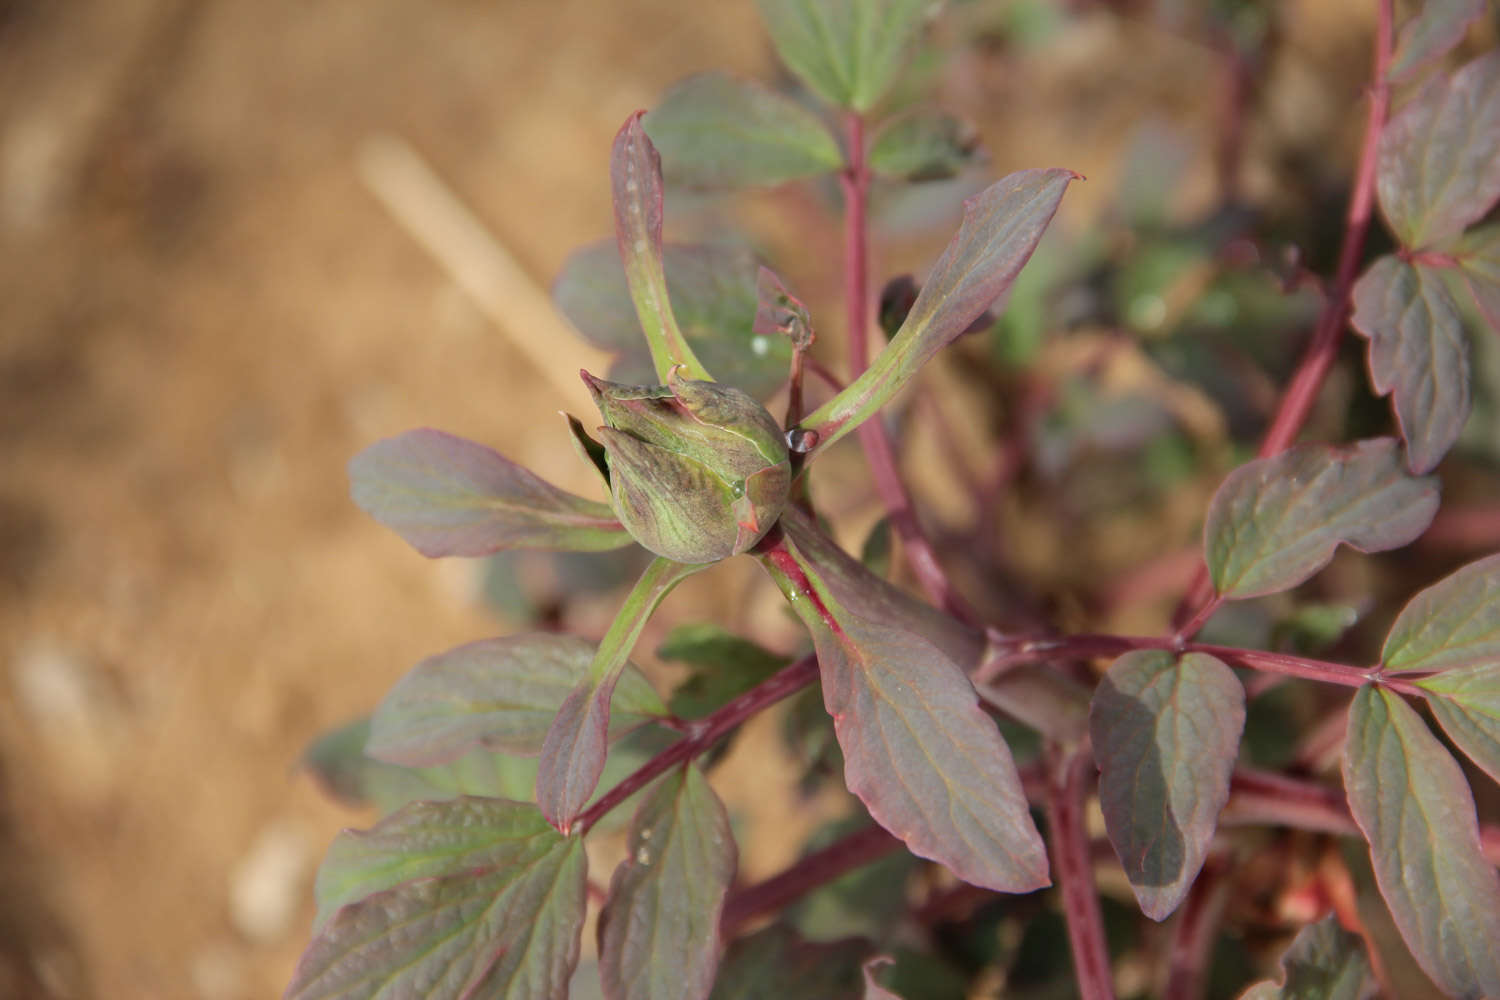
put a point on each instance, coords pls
(712, 289)
(1325, 962)
(1466, 702)
(1276, 521)
(1434, 30)
(501, 694)
(779, 313)
(573, 753)
(849, 52)
(659, 932)
(776, 963)
(1001, 227)
(920, 753)
(924, 145)
(451, 497)
(1438, 168)
(1418, 354)
(1415, 808)
(873, 990)
(1478, 255)
(635, 176)
(1166, 731)
(1453, 623)
(471, 898)
(716, 131)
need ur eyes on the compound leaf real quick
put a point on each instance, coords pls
(1324, 962)
(501, 694)
(475, 897)
(920, 753)
(1455, 622)
(1438, 168)
(1001, 227)
(447, 496)
(1276, 521)
(1431, 33)
(923, 145)
(716, 131)
(1466, 701)
(712, 290)
(1410, 798)
(659, 932)
(849, 52)
(1166, 731)
(1418, 353)
(776, 962)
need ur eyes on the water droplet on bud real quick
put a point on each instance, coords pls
(801, 440)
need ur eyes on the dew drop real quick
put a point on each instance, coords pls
(642, 856)
(646, 833)
(737, 490)
(640, 246)
(760, 346)
(632, 186)
(801, 440)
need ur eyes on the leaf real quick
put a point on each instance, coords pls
(1000, 229)
(1431, 33)
(477, 897)
(775, 963)
(635, 178)
(1438, 169)
(1166, 731)
(1455, 622)
(450, 497)
(724, 666)
(713, 295)
(1415, 808)
(1418, 352)
(920, 753)
(1276, 521)
(1478, 254)
(849, 52)
(923, 145)
(779, 313)
(659, 932)
(716, 131)
(501, 694)
(1324, 963)
(873, 990)
(1466, 701)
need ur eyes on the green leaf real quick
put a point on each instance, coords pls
(873, 990)
(1166, 731)
(477, 897)
(1455, 622)
(450, 497)
(1478, 255)
(635, 178)
(1466, 701)
(1431, 33)
(716, 131)
(849, 52)
(776, 963)
(659, 932)
(1000, 229)
(724, 666)
(1418, 353)
(1276, 521)
(1415, 808)
(920, 753)
(1438, 168)
(1325, 962)
(501, 694)
(923, 145)
(713, 295)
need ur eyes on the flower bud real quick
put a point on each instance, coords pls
(698, 470)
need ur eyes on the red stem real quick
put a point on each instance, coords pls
(879, 452)
(1066, 793)
(1197, 926)
(811, 872)
(1075, 646)
(1323, 349)
(702, 735)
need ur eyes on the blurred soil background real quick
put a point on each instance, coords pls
(205, 310)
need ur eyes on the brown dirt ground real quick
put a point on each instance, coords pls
(204, 312)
